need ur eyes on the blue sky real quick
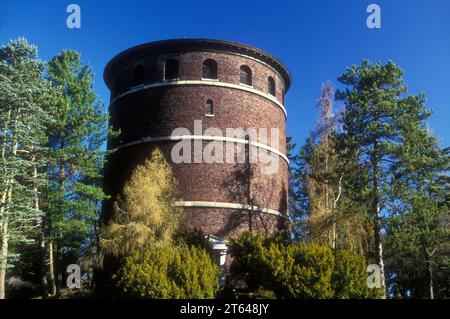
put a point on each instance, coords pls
(316, 39)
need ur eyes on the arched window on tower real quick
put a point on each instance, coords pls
(209, 109)
(246, 75)
(171, 69)
(209, 69)
(271, 85)
(139, 75)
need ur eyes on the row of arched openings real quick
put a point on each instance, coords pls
(171, 72)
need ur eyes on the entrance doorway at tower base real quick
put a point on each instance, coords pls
(220, 247)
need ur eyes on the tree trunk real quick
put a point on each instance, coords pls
(4, 244)
(4, 258)
(377, 221)
(430, 280)
(333, 235)
(379, 247)
(55, 250)
(3, 218)
(429, 274)
(47, 261)
(43, 260)
(59, 263)
(42, 246)
(52, 268)
(335, 202)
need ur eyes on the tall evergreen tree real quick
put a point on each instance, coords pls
(75, 149)
(377, 113)
(420, 228)
(23, 93)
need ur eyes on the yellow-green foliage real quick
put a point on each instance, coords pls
(167, 271)
(301, 271)
(350, 276)
(144, 213)
(298, 270)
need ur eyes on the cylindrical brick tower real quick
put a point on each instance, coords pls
(192, 92)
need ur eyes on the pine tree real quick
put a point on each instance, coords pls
(23, 94)
(420, 227)
(75, 148)
(376, 115)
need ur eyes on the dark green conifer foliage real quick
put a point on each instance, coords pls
(76, 144)
(23, 120)
(376, 115)
(297, 270)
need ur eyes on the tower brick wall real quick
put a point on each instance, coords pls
(222, 199)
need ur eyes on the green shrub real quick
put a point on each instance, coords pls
(83, 293)
(350, 276)
(248, 265)
(193, 237)
(17, 288)
(303, 271)
(168, 271)
(297, 270)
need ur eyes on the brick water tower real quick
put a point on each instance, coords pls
(161, 87)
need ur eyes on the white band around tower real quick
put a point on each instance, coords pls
(206, 138)
(206, 204)
(241, 87)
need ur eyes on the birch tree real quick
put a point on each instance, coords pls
(323, 175)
